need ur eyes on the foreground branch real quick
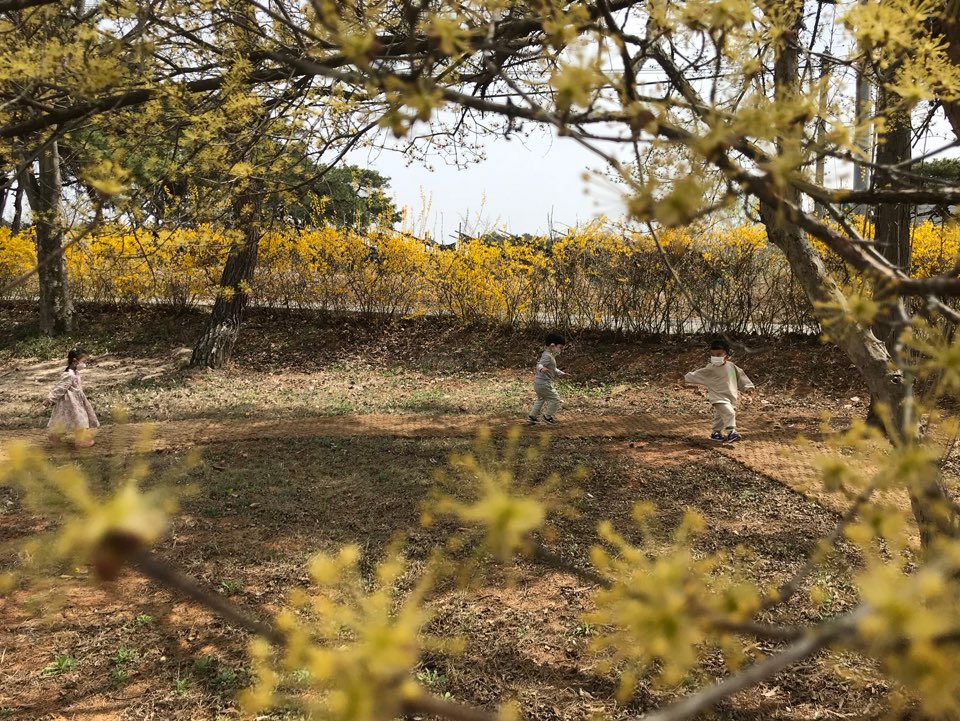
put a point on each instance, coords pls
(8, 6)
(548, 558)
(691, 705)
(155, 569)
(147, 563)
(434, 706)
(789, 588)
(914, 196)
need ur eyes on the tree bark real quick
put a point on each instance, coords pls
(17, 223)
(870, 356)
(892, 230)
(215, 346)
(892, 220)
(5, 193)
(949, 29)
(44, 195)
(867, 353)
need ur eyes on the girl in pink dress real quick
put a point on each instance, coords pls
(72, 413)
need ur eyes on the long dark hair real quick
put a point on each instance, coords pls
(75, 354)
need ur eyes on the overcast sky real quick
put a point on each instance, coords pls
(524, 184)
(520, 187)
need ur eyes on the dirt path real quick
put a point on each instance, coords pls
(768, 448)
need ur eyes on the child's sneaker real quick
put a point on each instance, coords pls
(733, 437)
(550, 421)
(532, 420)
(717, 436)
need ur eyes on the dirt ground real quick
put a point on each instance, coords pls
(772, 448)
(295, 366)
(324, 434)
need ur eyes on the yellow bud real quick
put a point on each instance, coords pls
(932, 584)
(509, 711)
(628, 684)
(260, 649)
(285, 621)
(349, 555)
(643, 511)
(409, 690)
(599, 558)
(322, 663)
(260, 696)
(456, 646)
(818, 595)
(324, 570)
(872, 627)
(692, 522)
(605, 530)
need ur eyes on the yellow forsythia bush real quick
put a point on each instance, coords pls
(590, 277)
(180, 267)
(18, 254)
(936, 249)
(478, 281)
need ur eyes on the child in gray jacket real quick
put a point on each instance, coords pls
(548, 400)
(724, 381)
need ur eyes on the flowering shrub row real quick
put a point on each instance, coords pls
(590, 277)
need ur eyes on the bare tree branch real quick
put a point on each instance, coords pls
(152, 567)
(7, 6)
(434, 706)
(942, 196)
(818, 639)
(789, 588)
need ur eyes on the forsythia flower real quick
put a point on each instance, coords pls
(356, 641)
(592, 274)
(659, 610)
(486, 493)
(94, 529)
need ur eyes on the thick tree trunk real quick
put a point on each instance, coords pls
(215, 346)
(863, 348)
(17, 223)
(950, 31)
(892, 234)
(892, 227)
(861, 345)
(892, 220)
(44, 193)
(5, 193)
(871, 358)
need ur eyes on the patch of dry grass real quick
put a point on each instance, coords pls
(265, 506)
(296, 364)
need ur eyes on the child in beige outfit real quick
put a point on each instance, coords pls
(724, 381)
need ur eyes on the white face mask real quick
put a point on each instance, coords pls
(716, 360)
(81, 366)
